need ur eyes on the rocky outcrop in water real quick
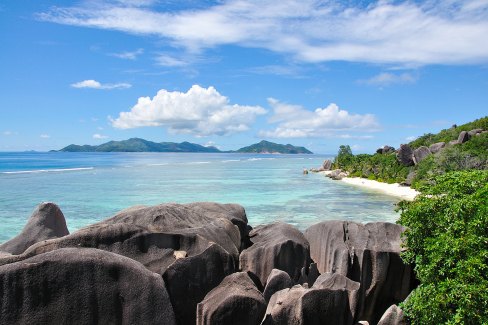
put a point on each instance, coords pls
(177, 263)
(47, 221)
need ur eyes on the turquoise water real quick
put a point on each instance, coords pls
(92, 186)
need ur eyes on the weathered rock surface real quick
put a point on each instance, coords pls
(189, 219)
(453, 142)
(337, 174)
(276, 246)
(475, 132)
(393, 316)
(156, 251)
(47, 221)
(236, 300)
(463, 137)
(277, 280)
(327, 164)
(189, 279)
(368, 254)
(303, 306)
(420, 154)
(436, 147)
(82, 286)
(385, 150)
(405, 155)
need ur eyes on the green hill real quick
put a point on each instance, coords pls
(422, 159)
(140, 145)
(270, 147)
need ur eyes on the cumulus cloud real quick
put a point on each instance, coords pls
(199, 111)
(99, 136)
(97, 85)
(294, 121)
(395, 32)
(128, 55)
(387, 79)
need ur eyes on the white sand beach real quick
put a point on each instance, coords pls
(403, 192)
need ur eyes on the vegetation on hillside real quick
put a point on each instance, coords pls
(447, 241)
(271, 147)
(472, 154)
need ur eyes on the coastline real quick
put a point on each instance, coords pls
(395, 189)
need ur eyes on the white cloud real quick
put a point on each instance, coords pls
(199, 111)
(99, 136)
(411, 138)
(170, 61)
(294, 121)
(97, 85)
(387, 79)
(45, 136)
(394, 32)
(128, 55)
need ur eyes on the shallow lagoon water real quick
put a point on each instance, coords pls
(90, 187)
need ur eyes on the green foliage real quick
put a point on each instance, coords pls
(344, 156)
(447, 240)
(449, 134)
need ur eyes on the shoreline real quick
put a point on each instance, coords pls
(395, 189)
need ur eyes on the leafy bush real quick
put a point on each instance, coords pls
(447, 240)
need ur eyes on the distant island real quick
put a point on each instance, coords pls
(141, 145)
(270, 147)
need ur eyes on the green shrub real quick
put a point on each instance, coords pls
(447, 240)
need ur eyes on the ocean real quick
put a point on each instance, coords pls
(90, 187)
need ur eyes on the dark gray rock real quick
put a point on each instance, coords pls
(327, 164)
(303, 306)
(420, 154)
(236, 300)
(393, 316)
(188, 280)
(405, 155)
(368, 254)
(436, 147)
(47, 221)
(82, 286)
(277, 280)
(188, 219)
(475, 132)
(275, 246)
(156, 251)
(385, 150)
(334, 281)
(463, 137)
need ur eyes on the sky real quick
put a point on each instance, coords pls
(229, 73)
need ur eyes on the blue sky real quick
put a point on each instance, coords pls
(230, 73)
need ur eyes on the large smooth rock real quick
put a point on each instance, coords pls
(235, 213)
(82, 286)
(475, 132)
(277, 280)
(420, 154)
(368, 254)
(236, 300)
(463, 137)
(303, 306)
(276, 246)
(156, 251)
(405, 155)
(393, 316)
(436, 147)
(327, 164)
(47, 221)
(185, 218)
(189, 279)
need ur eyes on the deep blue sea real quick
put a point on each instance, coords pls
(90, 187)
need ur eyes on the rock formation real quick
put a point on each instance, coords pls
(236, 300)
(47, 221)
(393, 316)
(420, 154)
(276, 246)
(405, 155)
(368, 254)
(436, 147)
(277, 280)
